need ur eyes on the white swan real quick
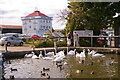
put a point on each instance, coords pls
(71, 52)
(47, 58)
(28, 55)
(77, 54)
(58, 59)
(34, 56)
(92, 52)
(49, 54)
(96, 54)
(82, 54)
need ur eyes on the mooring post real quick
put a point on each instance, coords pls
(91, 41)
(110, 42)
(6, 48)
(55, 46)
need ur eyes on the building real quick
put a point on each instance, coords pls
(36, 23)
(10, 29)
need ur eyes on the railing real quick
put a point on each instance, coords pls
(91, 41)
(108, 40)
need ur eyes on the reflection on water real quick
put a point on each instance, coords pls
(103, 67)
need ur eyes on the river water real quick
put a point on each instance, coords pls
(31, 68)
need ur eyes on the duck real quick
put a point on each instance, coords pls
(13, 69)
(111, 63)
(90, 64)
(71, 52)
(111, 58)
(42, 74)
(79, 71)
(81, 62)
(68, 75)
(99, 61)
(12, 77)
(46, 69)
(9, 62)
(92, 72)
(58, 65)
(47, 76)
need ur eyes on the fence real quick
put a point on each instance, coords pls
(96, 41)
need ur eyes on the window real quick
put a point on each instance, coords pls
(49, 27)
(35, 22)
(43, 21)
(29, 26)
(46, 21)
(29, 20)
(49, 21)
(41, 26)
(34, 28)
(44, 27)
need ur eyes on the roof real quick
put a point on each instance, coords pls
(11, 26)
(36, 13)
(59, 29)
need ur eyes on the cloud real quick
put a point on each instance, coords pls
(15, 9)
(4, 12)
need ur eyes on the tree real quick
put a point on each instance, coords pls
(92, 15)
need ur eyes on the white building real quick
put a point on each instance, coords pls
(36, 23)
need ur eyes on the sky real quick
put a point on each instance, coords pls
(11, 11)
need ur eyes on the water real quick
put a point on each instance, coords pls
(30, 68)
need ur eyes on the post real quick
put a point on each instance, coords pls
(110, 42)
(6, 48)
(55, 47)
(91, 41)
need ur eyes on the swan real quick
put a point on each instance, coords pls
(71, 52)
(60, 54)
(65, 63)
(34, 56)
(82, 54)
(88, 51)
(28, 55)
(49, 54)
(40, 55)
(58, 59)
(97, 55)
(92, 52)
(47, 58)
(77, 54)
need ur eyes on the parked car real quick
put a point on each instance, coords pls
(36, 37)
(12, 34)
(9, 40)
(24, 37)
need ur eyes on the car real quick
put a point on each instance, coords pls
(9, 40)
(36, 37)
(24, 37)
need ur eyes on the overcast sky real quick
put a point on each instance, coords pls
(11, 11)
